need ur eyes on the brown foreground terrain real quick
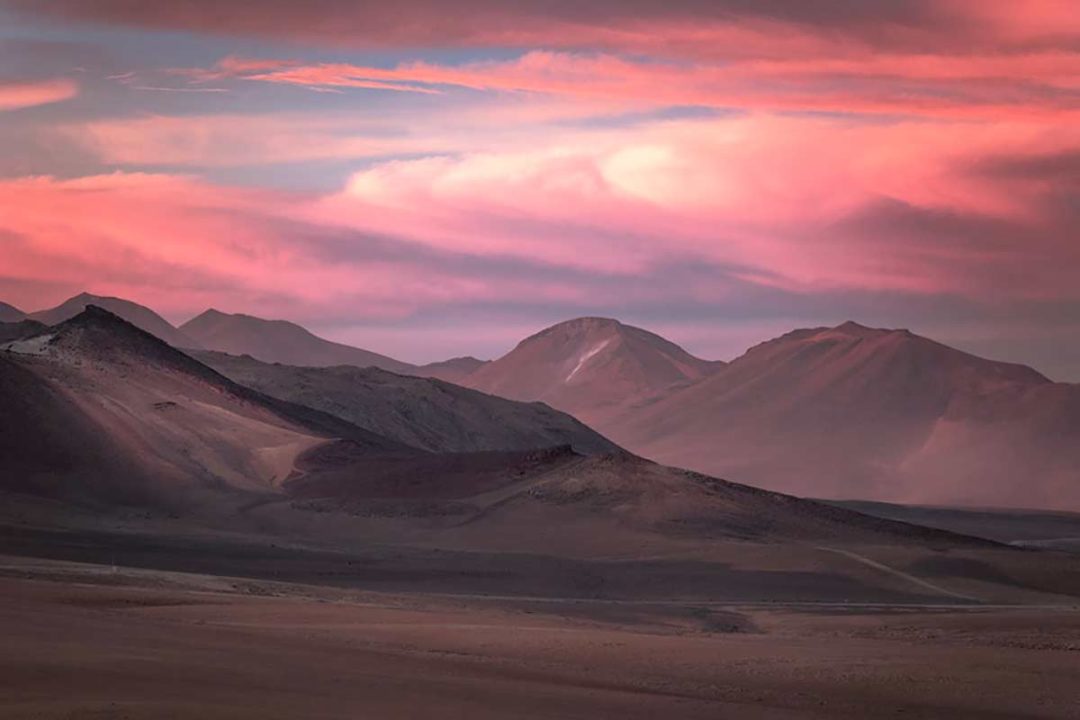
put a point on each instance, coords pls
(97, 641)
(147, 617)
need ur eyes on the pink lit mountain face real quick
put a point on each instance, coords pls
(854, 412)
(591, 368)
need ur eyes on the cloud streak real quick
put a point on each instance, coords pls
(672, 27)
(26, 94)
(931, 85)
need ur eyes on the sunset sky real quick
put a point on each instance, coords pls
(433, 178)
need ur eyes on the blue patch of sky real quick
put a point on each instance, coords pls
(164, 48)
(319, 176)
(859, 116)
(622, 119)
(150, 53)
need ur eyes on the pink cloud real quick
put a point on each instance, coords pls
(98, 227)
(766, 193)
(296, 74)
(181, 245)
(18, 95)
(225, 140)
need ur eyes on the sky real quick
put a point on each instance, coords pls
(430, 179)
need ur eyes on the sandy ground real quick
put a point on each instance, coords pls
(93, 641)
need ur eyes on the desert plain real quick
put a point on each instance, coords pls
(122, 624)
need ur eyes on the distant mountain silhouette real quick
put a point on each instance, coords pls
(453, 370)
(10, 313)
(280, 341)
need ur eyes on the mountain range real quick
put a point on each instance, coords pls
(273, 341)
(101, 414)
(139, 315)
(840, 412)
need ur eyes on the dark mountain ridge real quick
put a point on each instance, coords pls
(423, 412)
(142, 317)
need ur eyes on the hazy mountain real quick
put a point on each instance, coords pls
(854, 412)
(280, 341)
(845, 412)
(95, 408)
(10, 313)
(453, 370)
(422, 412)
(589, 367)
(139, 316)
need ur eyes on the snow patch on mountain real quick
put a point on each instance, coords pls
(586, 357)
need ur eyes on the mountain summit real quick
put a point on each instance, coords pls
(589, 367)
